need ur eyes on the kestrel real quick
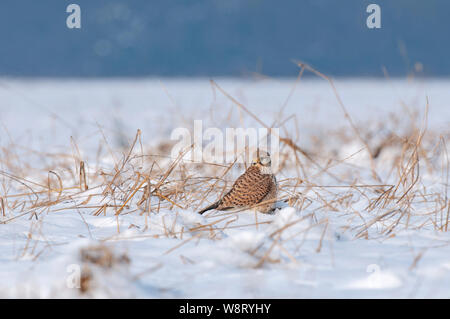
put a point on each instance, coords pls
(256, 186)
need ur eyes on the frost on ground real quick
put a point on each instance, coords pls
(90, 207)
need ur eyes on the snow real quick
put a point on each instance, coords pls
(310, 250)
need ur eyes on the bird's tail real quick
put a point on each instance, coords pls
(213, 206)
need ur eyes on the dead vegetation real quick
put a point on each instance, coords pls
(98, 258)
(386, 172)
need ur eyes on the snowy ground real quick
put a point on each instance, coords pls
(335, 241)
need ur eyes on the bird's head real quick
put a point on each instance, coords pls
(261, 158)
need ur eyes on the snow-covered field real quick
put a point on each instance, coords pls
(348, 224)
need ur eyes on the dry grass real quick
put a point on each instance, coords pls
(98, 257)
(144, 181)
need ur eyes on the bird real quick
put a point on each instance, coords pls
(257, 185)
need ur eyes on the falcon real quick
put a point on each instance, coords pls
(257, 188)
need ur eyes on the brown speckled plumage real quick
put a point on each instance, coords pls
(253, 187)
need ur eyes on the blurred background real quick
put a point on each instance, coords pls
(223, 38)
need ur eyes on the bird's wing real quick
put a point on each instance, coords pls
(249, 189)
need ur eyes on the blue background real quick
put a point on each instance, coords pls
(223, 37)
